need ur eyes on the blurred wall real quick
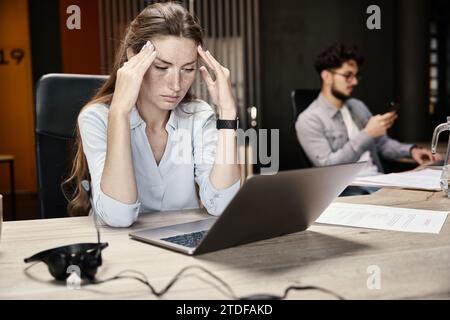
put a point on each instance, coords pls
(16, 96)
(45, 37)
(80, 48)
(412, 81)
(38, 28)
(293, 32)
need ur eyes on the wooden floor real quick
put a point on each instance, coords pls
(27, 207)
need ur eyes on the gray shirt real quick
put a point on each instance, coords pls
(323, 135)
(170, 185)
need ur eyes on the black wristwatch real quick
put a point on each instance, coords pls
(227, 124)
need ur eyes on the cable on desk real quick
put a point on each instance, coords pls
(286, 292)
(177, 277)
(230, 293)
(141, 277)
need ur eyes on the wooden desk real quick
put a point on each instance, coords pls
(337, 258)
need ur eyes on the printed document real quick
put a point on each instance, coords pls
(383, 218)
(427, 179)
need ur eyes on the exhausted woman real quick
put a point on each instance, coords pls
(144, 142)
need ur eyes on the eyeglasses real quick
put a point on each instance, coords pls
(348, 76)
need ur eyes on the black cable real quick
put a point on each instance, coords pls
(286, 292)
(230, 294)
(177, 277)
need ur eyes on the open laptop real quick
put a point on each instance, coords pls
(266, 206)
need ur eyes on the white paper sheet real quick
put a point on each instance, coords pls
(383, 218)
(427, 179)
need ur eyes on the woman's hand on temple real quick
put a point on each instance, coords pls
(129, 79)
(219, 89)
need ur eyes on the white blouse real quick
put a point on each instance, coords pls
(188, 158)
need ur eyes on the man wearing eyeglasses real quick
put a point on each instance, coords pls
(337, 129)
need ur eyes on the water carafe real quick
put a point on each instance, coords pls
(445, 176)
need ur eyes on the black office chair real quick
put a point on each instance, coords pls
(59, 99)
(301, 99)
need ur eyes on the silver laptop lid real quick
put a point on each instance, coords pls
(271, 206)
(265, 207)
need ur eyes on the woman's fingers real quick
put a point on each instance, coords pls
(134, 60)
(139, 64)
(205, 58)
(218, 68)
(147, 60)
(210, 84)
(219, 88)
(212, 63)
(137, 59)
(147, 51)
(206, 76)
(215, 63)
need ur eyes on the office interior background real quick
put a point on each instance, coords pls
(269, 46)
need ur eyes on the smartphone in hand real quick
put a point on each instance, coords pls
(394, 107)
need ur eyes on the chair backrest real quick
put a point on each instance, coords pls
(59, 99)
(301, 99)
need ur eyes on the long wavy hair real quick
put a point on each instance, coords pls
(159, 19)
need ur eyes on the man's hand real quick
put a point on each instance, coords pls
(379, 125)
(423, 156)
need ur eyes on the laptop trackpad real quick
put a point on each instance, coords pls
(194, 226)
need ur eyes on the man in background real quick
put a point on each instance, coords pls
(337, 128)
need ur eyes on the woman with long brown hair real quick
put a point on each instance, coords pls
(143, 141)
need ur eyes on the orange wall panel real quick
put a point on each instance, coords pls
(80, 49)
(16, 96)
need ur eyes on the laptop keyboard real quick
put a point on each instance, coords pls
(190, 240)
